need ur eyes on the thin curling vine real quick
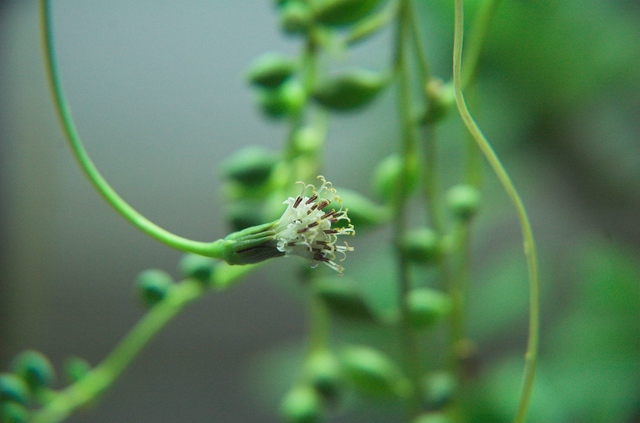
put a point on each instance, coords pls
(310, 236)
(527, 233)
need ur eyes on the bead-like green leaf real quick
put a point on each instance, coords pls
(34, 368)
(351, 90)
(270, 70)
(343, 12)
(372, 372)
(343, 300)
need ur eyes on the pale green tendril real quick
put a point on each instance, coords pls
(527, 233)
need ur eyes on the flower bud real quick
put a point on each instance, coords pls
(13, 388)
(350, 91)
(420, 245)
(427, 306)
(372, 372)
(76, 368)
(285, 100)
(250, 166)
(34, 368)
(388, 174)
(343, 12)
(301, 405)
(463, 201)
(10, 412)
(343, 300)
(322, 370)
(295, 17)
(270, 70)
(152, 286)
(196, 267)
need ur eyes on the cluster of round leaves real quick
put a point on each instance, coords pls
(326, 375)
(279, 86)
(29, 381)
(369, 371)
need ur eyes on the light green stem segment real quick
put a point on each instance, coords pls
(63, 403)
(101, 377)
(211, 249)
(529, 243)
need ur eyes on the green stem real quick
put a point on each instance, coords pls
(527, 233)
(423, 62)
(104, 375)
(409, 146)
(212, 249)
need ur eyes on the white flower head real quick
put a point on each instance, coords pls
(305, 229)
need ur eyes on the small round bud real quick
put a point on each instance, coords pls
(432, 418)
(387, 178)
(372, 372)
(343, 300)
(34, 368)
(196, 267)
(301, 405)
(343, 12)
(152, 286)
(441, 99)
(295, 17)
(10, 412)
(250, 166)
(421, 245)
(439, 389)
(307, 141)
(13, 388)
(463, 201)
(76, 368)
(427, 306)
(322, 371)
(270, 70)
(351, 90)
(282, 101)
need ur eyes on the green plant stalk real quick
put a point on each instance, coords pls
(211, 249)
(527, 233)
(457, 289)
(409, 345)
(420, 50)
(91, 386)
(61, 404)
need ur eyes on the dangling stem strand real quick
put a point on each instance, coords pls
(64, 114)
(527, 233)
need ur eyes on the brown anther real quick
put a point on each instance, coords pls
(311, 199)
(311, 225)
(297, 203)
(327, 214)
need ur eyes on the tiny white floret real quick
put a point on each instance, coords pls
(305, 229)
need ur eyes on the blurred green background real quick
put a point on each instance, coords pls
(158, 95)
